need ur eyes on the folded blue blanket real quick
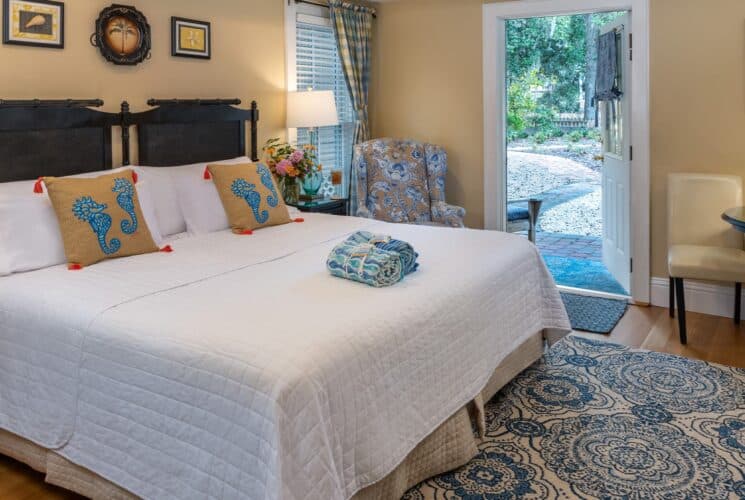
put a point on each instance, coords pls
(408, 254)
(365, 263)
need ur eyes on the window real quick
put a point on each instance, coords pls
(318, 67)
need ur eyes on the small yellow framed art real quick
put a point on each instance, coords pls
(190, 38)
(38, 23)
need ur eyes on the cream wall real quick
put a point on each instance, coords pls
(248, 60)
(698, 98)
(427, 84)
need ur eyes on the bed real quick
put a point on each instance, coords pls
(237, 367)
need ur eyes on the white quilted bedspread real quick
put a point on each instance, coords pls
(236, 367)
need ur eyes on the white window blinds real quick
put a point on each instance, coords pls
(319, 68)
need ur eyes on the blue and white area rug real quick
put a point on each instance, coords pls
(599, 420)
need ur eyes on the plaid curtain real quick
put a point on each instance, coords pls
(353, 29)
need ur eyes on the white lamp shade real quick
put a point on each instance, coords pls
(314, 108)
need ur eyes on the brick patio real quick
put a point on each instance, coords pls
(569, 245)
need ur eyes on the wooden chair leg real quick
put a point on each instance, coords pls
(672, 297)
(738, 302)
(679, 291)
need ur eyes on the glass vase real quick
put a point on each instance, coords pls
(312, 184)
(290, 189)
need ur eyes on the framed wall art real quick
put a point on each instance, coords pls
(190, 38)
(38, 23)
(122, 35)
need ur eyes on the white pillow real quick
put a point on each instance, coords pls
(160, 181)
(30, 238)
(200, 202)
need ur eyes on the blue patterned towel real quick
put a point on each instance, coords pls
(408, 254)
(365, 263)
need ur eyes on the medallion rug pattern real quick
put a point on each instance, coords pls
(600, 420)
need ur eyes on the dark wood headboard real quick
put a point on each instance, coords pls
(53, 137)
(184, 131)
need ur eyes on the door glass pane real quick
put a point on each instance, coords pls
(612, 111)
(612, 120)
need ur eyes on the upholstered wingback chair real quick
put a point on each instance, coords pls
(402, 181)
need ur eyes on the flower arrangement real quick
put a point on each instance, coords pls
(286, 161)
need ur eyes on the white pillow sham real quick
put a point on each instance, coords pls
(200, 202)
(165, 198)
(30, 237)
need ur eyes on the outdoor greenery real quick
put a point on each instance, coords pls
(551, 65)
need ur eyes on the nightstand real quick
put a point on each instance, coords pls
(323, 206)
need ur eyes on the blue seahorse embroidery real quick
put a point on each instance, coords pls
(243, 189)
(88, 210)
(125, 199)
(266, 179)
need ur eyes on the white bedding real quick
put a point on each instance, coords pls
(236, 367)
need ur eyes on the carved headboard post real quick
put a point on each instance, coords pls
(126, 122)
(255, 131)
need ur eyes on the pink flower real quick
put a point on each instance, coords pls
(297, 156)
(282, 167)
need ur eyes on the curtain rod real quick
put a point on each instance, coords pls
(324, 5)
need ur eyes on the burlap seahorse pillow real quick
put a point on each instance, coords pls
(250, 196)
(99, 218)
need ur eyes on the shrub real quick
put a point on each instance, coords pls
(575, 136)
(540, 137)
(520, 104)
(594, 134)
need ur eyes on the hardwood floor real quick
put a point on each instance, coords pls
(710, 338)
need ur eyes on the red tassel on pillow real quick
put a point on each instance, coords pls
(299, 219)
(134, 177)
(37, 186)
(74, 267)
(167, 249)
(247, 232)
(207, 176)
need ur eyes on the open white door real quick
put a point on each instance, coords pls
(615, 122)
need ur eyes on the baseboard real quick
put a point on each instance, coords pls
(706, 298)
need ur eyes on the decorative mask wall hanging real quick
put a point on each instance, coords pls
(122, 35)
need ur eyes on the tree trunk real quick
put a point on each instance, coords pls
(592, 31)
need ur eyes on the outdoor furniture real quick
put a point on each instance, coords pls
(521, 218)
(402, 181)
(701, 246)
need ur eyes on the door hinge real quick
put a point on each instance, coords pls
(631, 266)
(631, 153)
(631, 46)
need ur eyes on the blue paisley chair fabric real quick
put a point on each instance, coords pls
(402, 181)
(365, 263)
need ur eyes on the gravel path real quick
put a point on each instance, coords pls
(579, 216)
(570, 190)
(585, 151)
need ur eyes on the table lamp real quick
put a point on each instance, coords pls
(311, 109)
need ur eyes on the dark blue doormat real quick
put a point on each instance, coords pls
(582, 273)
(593, 314)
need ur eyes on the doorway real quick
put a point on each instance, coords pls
(562, 141)
(566, 142)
